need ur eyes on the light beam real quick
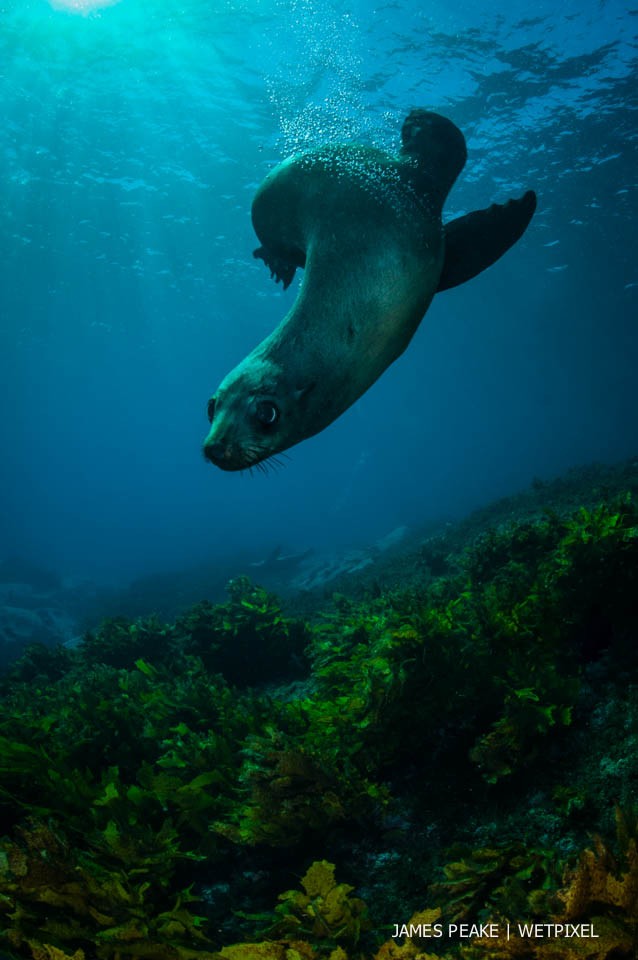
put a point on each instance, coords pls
(83, 7)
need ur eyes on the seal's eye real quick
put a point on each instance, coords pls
(211, 409)
(267, 413)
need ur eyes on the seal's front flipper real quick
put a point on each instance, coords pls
(476, 241)
(281, 263)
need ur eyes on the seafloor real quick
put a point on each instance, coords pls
(445, 736)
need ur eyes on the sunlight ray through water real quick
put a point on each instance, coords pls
(83, 7)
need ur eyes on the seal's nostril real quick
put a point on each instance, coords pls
(214, 451)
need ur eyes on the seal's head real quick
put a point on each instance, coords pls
(256, 413)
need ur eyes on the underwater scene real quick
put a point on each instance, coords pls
(319, 485)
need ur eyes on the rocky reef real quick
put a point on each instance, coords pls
(439, 762)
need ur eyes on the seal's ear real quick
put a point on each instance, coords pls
(301, 392)
(476, 241)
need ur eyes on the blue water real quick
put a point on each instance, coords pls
(133, 139)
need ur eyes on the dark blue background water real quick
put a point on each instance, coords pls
(132, 141)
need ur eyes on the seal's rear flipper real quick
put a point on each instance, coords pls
(281, 263)
(437, 153)
(476, 241)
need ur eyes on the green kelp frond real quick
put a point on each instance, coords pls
(599, 894)
(510, 881)
(55, 896)
(119, 642)
(323, 912)
(247, 639)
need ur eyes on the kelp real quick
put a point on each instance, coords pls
(598, 894)
(136, 769)
(114, 895)
(323, 912)
(248, 639)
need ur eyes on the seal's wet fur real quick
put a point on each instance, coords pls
(367, 229)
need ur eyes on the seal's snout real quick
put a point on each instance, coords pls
(226, 456)
(218, 453)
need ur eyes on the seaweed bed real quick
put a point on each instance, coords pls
(450, 739)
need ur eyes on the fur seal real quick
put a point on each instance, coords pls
(367, 229)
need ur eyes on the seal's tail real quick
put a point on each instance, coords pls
(438, 147)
